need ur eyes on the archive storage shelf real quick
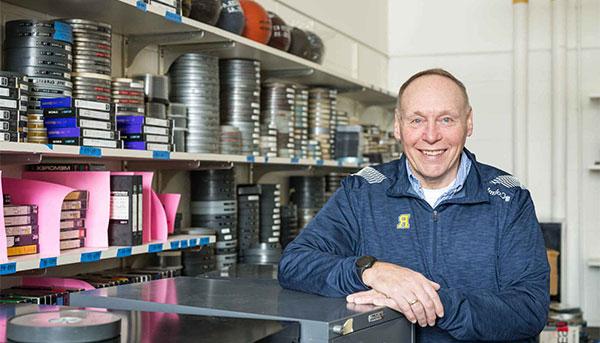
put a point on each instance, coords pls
(83, 255)
(141, 25)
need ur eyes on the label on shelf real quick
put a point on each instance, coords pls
(294, 160)
(50, 146)
(204, 241)
(161, 155)
(250, 158)
(124, 252)
(193, 242)
(90, 151)
(141, 5)
(8, 268)
(156, 247)
(90, 256)
(266, 159)
(184, 244)
(174, 245)
(48, 262)
(340, 163)
(173, 16)
(320, 162)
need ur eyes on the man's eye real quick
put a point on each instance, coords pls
(416, 121)
(447, 120)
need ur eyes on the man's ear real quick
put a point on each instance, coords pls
(470, 122)
(397, 123)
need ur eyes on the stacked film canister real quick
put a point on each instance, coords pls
(213, 206)
(289, 224)
(308, 194)
(240, 100)
(322, 104)
(230, 140)
(194, 80)
(248, 218)
(177, 114)
(156, 94)
(14, 92)
(301, 121)
(277, 111)
(268, 250)
(42, 50)
(199, 260)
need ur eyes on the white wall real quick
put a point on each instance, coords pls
(473, 40)
(355, 35)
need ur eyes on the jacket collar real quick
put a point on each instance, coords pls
(473, 191)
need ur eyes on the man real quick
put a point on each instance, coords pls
(451, 243)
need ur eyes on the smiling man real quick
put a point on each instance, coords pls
(451, 243)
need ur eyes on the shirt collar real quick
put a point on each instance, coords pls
(461, 177)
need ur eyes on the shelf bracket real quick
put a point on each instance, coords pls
(135, 43)
(175, 50)
(20, 159)
(288, 73)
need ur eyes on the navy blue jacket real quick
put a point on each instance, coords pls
(483, 246)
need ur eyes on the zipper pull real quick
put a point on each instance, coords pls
(435, 215)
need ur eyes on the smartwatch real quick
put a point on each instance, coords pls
(363, 263)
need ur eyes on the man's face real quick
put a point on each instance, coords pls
(433, 124)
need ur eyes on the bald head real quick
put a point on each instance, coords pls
(434, 77)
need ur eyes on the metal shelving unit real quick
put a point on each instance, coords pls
(143, 24)
(83, 255)
(31, 153)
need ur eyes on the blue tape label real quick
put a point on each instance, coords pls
(266, 159)
(320, 162)
(90, 256)
(250, 158)
(8, 268)
(173, 17)
(204, 241)
(193, 242)
(48, 262)
(184, 244)
(295, 160)
(340, 163)
(161, 155)
(175, 245)
(141, 5)
(90, 151)
(124, 252)
(50, 146)
(156, 247)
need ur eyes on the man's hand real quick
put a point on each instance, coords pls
(403, 290)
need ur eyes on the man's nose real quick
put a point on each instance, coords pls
(432, 133)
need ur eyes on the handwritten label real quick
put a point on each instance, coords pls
(174, 245)
(161, 155)
(173, 17)
(157, 247)
(204, 241)
(250, 158)
(184, 244)
(141, 5)
(8, 268)
(48, 262)
(90, 151)
(124, 252)
(193, 242)
(90, 256)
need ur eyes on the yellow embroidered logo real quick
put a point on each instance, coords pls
(403, 222)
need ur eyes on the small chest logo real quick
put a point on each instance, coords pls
(403, 222)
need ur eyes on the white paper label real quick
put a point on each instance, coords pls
(119, 205)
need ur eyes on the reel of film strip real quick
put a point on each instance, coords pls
(308, 194)
(194, 80)
(277, 111)
(41, 50)
(240, 100)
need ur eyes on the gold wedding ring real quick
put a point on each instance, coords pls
(412, 302)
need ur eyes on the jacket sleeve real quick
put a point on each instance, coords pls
(321, 260)
(518, 309)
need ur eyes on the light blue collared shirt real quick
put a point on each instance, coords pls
(461, 176)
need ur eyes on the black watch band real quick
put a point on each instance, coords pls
(363, 263)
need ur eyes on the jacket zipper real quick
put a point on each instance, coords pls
(434, 232)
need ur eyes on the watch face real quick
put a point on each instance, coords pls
(365, 261)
